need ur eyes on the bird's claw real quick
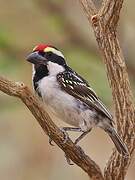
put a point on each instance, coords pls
(50, 142)
(76, 141)
(65, 135)
(68, 160)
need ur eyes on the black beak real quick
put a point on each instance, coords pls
(36, 58)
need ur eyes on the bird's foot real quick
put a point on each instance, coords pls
(64, 130)
(50, 142)
(81, 136)
(68, 160)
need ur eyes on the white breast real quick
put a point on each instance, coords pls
(59, 103)
(63, 105)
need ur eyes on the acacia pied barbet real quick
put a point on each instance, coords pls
(69, 96)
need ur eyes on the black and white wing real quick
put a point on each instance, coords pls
(78, 87)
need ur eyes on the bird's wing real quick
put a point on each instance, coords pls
(76, 86)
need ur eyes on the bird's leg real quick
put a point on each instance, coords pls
(64, 130)
(76, 129)
(82, 136)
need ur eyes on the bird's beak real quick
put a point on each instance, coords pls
(36, 58)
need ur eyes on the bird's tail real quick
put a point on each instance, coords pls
(121, 147)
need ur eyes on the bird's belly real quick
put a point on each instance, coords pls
(63, 107)
(66, 107)
(58, 102)
(68, 111)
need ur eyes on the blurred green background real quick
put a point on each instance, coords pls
(24, 150)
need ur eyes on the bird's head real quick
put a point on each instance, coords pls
(48, 56)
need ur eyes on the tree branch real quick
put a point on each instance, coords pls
(110, 12)
(75, 153)
(89, 7)
(104, 24)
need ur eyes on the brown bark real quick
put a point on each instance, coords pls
(75, 153)
(104, 24)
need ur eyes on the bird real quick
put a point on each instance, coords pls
(69, 96)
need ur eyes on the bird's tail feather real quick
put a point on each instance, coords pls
(121, 147)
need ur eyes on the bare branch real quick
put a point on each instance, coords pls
(110, 12)
(89, 7)
(75, 153)
(104, 25)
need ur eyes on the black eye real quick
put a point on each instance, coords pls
(42, 53)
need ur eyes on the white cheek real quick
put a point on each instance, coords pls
(33, 71)
(54, 68)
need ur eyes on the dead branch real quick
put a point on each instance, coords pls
(75, 153)
(104, 24)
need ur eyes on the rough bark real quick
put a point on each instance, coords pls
(75, 153)
(104, 24)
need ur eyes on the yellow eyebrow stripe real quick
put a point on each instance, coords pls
(53, 50)
(49, 49)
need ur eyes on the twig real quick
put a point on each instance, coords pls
(75, 153)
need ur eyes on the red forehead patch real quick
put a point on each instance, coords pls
(41, 47)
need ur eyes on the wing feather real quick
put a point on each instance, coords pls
(76, 86)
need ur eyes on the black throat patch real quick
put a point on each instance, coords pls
(40, 72)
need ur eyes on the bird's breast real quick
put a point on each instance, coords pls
(65, 106)
(58, 102)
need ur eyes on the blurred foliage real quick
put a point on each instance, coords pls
(24, 150)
